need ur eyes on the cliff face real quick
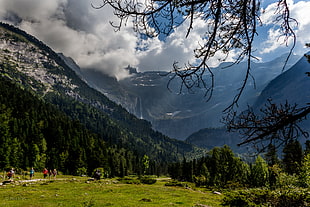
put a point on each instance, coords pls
(32, 64)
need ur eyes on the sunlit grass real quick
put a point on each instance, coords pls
(76, 191)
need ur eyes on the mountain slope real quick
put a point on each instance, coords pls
(293, 86)
(35, 67)
(179, 114)
(35, 133)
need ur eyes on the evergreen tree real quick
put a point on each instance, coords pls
(259, 173)
(271, 156)
(292, 157)
(5, 137)
(307, 145)
(145, 163)
(304, 177)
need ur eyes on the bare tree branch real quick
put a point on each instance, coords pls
(274, 123)
(231, 26)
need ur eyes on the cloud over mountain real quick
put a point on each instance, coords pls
(299, 11)
(76, 29)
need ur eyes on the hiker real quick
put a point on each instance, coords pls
(45, 172)
(54, 173)
(11, 174)
(97, 175)
(31, 173)
(50, 173)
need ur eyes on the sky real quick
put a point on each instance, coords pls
(76, 29)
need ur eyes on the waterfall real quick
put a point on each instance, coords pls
(140, 108)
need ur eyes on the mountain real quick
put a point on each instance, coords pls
(33, 67)
(177, 113)
(216, 137)
(291, 86)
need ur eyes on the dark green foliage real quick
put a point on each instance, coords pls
(259, 176)
(271, 156)
(36, 134)
(264, 197)
(307, 145)
(147, 180)
(218, 168)
(129, 180)
(292, 157)
(175, 183)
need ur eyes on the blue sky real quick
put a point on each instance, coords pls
(74, 28)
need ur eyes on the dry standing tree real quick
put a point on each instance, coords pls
(274, 125)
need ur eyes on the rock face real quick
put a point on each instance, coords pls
(31, 62)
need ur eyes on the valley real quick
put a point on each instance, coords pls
(55, 115)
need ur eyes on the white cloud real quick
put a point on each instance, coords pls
(76, 29)
(160, 55)
(32, 10)
(300, 12)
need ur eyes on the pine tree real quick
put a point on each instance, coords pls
(259, 173)
(271, 156)
(292, 157)
(5, 137)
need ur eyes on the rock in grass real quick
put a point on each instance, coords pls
(146, 200)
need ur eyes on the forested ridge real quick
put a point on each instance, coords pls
(56, 120)
(36, 134)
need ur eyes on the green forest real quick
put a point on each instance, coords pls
(36, 134)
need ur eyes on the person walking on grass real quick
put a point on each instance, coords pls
(45, 173)
(54, 173)
(50, 173)
(31, 173)
(11, 174)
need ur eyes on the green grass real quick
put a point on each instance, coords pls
(77, 192)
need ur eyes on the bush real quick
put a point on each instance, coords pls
(291, 198)
(262, 197)
(81, 171)
(175, 183)
(147, 180)
(244, 198)
(200, 180)
(129, 180)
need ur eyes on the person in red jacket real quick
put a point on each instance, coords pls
(45, 172)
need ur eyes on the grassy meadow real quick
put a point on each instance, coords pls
(77, 191)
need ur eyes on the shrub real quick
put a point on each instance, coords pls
(175, 183)
(262, 197)
(129, 180)
(81, 171)
(200, 180)
(253, 197)
(147, 180)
